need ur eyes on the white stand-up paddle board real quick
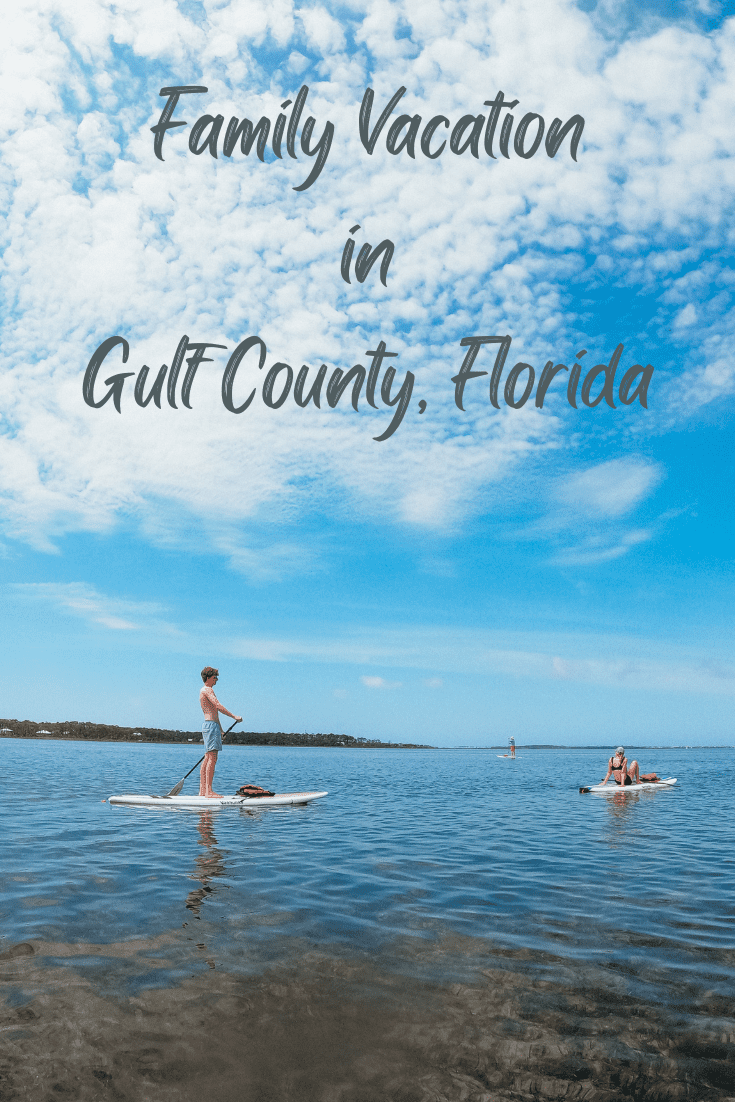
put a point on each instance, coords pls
(513, 756)
(200, 803)
(611, 789)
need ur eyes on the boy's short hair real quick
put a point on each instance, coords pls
(209, 671)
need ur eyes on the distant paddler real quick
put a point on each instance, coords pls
(211, 730)
(624, 772)
(512, 747)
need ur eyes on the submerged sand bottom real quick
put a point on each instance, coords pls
(328, 1029)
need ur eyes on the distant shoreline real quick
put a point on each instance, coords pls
(104, 732)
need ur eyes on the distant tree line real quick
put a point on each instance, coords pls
(105, 732)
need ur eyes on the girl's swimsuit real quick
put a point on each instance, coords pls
(620, 767)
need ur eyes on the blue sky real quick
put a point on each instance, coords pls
(559, 575)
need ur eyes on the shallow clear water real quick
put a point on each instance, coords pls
(407, 844)
(433, 865)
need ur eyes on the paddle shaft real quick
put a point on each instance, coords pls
(177, 787)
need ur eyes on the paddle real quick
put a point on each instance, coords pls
(177, 787)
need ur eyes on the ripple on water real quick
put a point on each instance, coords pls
(409, 849)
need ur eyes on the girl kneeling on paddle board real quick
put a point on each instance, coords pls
(624, 773)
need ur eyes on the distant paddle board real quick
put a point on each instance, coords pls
(513, 756)
(611, 789)
(199, 803)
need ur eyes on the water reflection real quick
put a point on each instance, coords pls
(620, 806)
(210, 863)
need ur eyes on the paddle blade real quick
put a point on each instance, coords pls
(177, 788)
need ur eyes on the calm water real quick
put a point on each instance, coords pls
(432, 865)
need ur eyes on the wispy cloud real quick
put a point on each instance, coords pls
(594, 549)
(588, 515)
(621, 661)
(84, 601)
(608, 490)
(605, 660)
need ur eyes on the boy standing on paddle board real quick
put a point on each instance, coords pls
(211, 730)
(624, 773)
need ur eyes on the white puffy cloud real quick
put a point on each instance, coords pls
(371, 681)
(102, 238)
(323, 32)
